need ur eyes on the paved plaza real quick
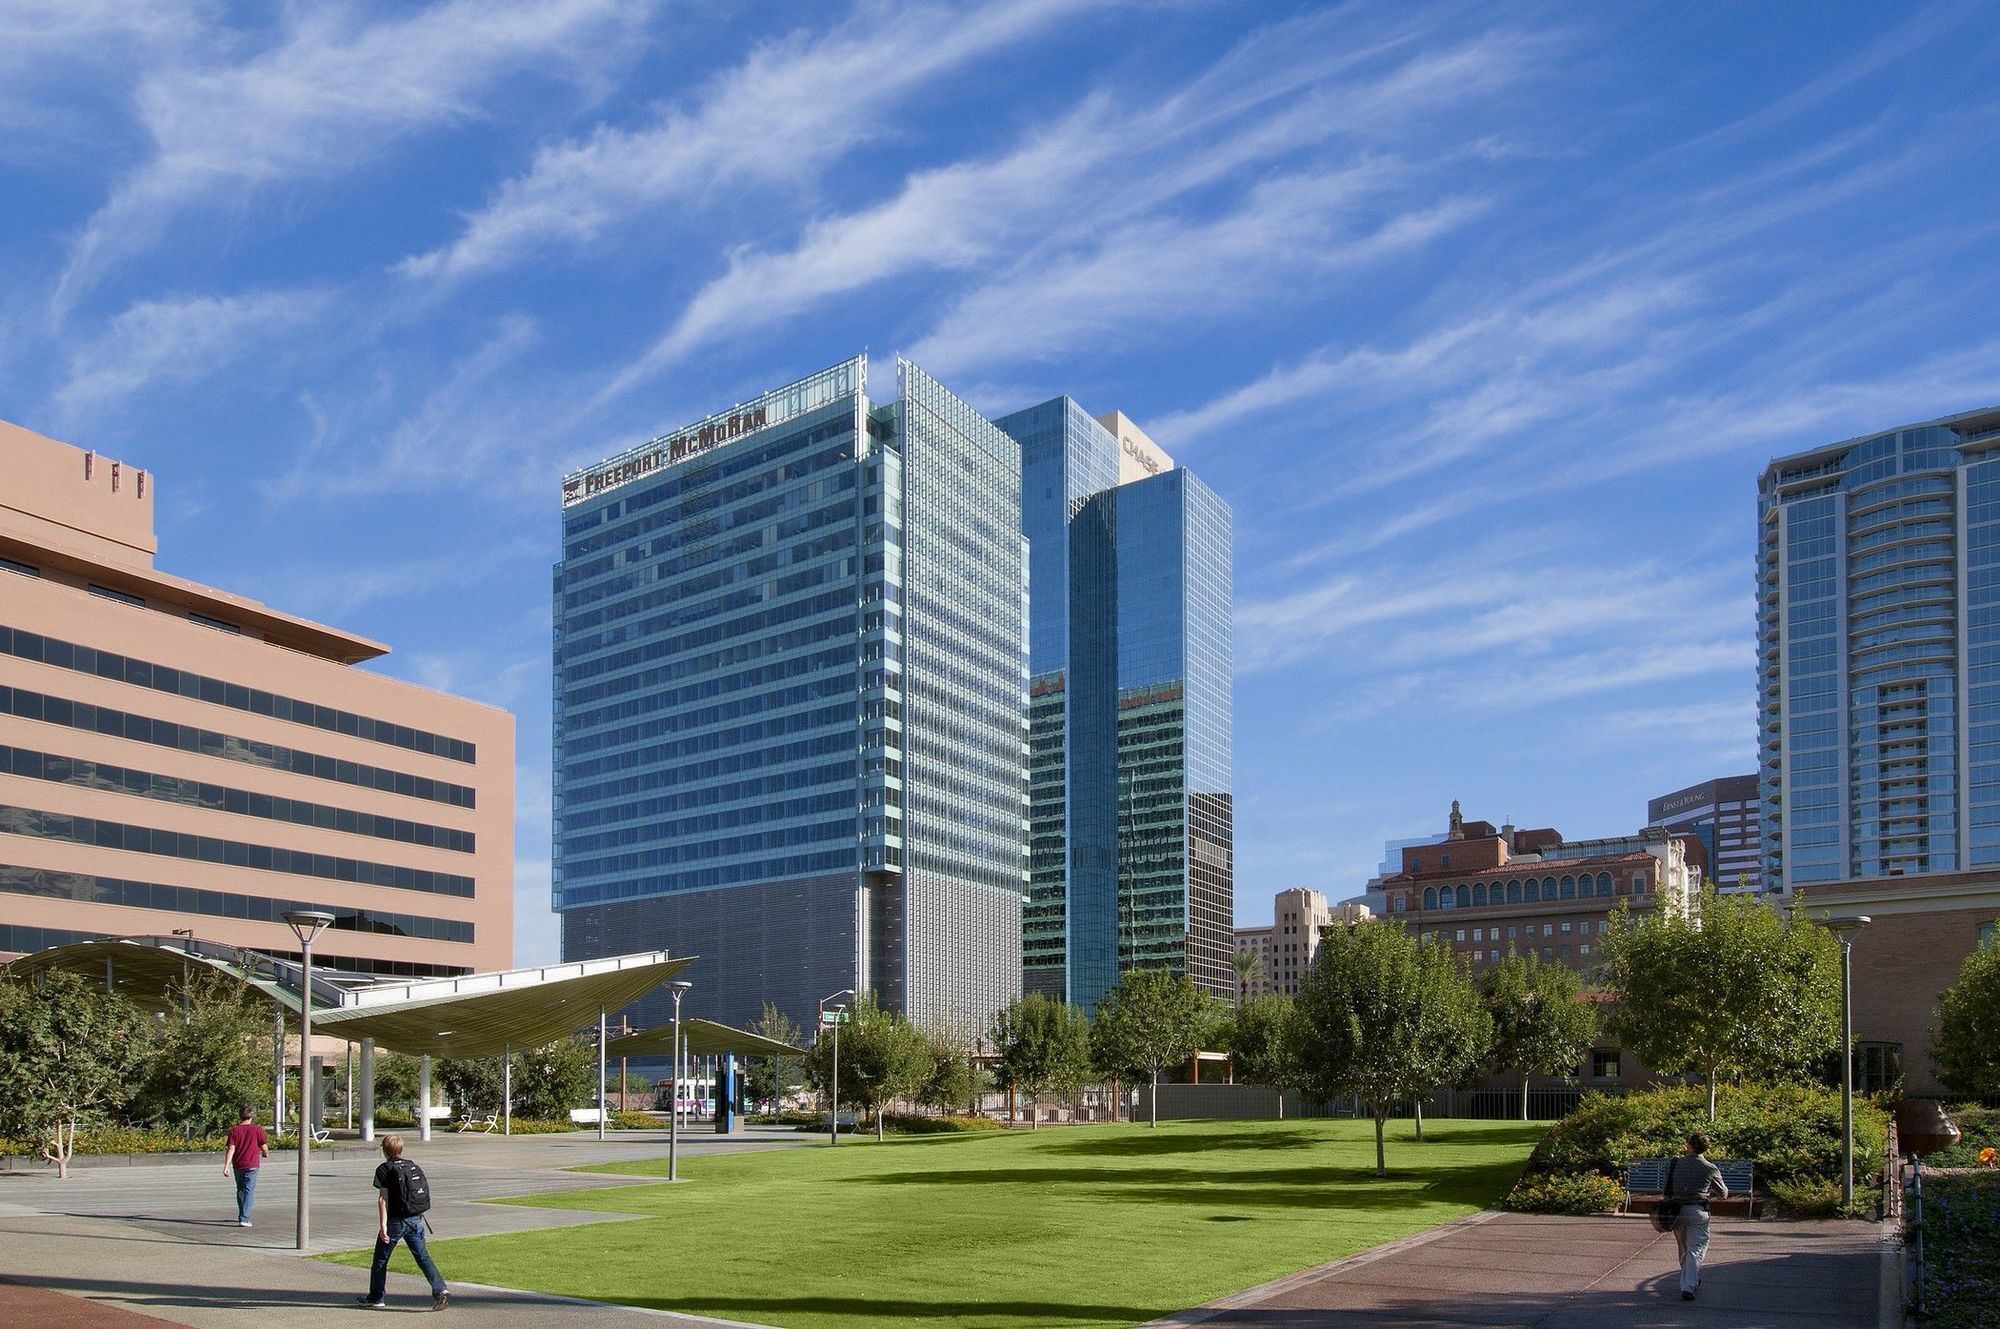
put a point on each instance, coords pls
(160, 1238)
(1517, 1271)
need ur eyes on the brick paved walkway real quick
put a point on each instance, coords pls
(1517, 1270)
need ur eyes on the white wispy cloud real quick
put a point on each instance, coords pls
(784, 115)
(1084, 195)
(174, 342)
(329, 94)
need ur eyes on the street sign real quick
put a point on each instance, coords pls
(833, 1017)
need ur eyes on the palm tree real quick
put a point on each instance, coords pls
(1245, 962)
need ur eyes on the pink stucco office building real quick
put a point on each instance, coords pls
(176, 757)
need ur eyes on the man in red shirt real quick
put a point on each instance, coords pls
(241, 1157)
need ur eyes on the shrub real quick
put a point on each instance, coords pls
(1961, 1227)
(1807, 1199)
(114, 1139)
(899, 1123)
(1790, 1131)
(1575, 1193)
(638, 1121)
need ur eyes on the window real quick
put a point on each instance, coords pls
(205, 621)
(1513, 892)
(1584, 949)
(1548, 930)
(1444, 860)
(1479, 934)
(1604, 1063)
(1569, 888)
(26, 570)
(1987, 932)
(1479, 893)
(1402, 904)
(1430, 897)
(122, 597)
(1604, 884)
(1512, 931)
(1461, 934)
(1465, 897)
(1565, 925)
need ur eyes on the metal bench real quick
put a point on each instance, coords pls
(1647, 1177)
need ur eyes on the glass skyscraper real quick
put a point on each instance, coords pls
(790, 700)
(1130, 795)
(1878, 578)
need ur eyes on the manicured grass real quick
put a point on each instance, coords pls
(1079, 1226)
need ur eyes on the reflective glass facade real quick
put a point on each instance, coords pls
(1879, 655)
(1132, 809)
(790, 702)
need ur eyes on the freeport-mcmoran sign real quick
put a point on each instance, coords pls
(774, 407)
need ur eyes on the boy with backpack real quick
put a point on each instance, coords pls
(402, 1198)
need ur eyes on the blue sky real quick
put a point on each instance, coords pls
(1483, 317)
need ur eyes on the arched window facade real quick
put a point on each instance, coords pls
(1465, 897)
(1534, 890)
(1514, 892)
(1548, 888)
(1569, 888)
(1430, 897)
(1478, 893)
(1604, 883)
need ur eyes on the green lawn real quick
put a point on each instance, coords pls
(1078, 1226)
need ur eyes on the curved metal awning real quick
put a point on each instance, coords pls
(474, 1015)
(704, 1038)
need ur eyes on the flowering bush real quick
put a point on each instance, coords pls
(1961, 1228)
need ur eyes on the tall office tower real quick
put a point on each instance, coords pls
(175, 757)
(790, 671)
(1131, 798)
(1722, 814)
(1878, 578)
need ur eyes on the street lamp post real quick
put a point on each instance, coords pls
(680, 989)
(833, 1084)
(1845, 928)
(306, 924)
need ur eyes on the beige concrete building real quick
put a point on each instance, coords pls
(176, 757)
(1286, 948)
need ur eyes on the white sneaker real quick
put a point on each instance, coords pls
(243, 1222)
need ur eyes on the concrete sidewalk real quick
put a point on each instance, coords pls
(162, 1241)
(1510, 1271)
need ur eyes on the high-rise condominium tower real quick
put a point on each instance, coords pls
(1878, 579)
(790, 666)
(1130, 802)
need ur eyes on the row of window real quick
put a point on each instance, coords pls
(32, 765)
(163, 678)
(227, 747)
(85, 889)
(1529, 891)
(236, 853)
(1528, 929)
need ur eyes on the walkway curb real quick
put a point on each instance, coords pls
(1254, 1296)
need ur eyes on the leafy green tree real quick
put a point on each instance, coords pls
(956, 1077)
(883, 1057)
(1265, 1044)
(69, 1056)
(1965, 1042)
(1152, 1020)
(772, 1077)
(398, 1082)
(1044, 1048)
(1541, 1026)
(210, 1059)
(549, 1081)
(474, 1086)
(1245, 963)
(1387, 1017)
(1730, 987)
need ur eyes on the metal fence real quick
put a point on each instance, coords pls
(1247, 1102)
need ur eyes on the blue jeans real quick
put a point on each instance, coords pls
(411, 1231)
(246, 1192)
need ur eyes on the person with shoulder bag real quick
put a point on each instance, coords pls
(402, 1198)
(1692, 1181)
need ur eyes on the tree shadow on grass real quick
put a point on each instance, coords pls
(1137, 1144)
(874, 1311)
(1288, 1187)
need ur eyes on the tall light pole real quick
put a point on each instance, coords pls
(1845, 927)
(680, 989)
(833, 1085)
(306, 924)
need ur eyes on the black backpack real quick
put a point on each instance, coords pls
(412, 1187)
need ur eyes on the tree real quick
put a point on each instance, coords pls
(1729, 988)
(1150, 1021)
(1265, 1044)
(770, 1077)
(1540, 1024)
(210, 1059)
(1245, 963)
(1044, 1048)
(397, 1082)
(549, 1081)
(69, 1054)
(883, 1057)
(956, 1078)
(473, 1086)
(1965, 1042)
(1387, 1017)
